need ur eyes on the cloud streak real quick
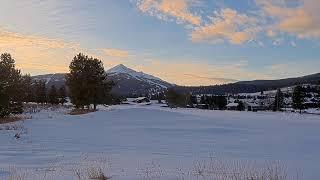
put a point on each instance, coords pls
(13, 39)
(37, 54)
(116, 53)
(227, 25)
(302, 21)
(163, 9)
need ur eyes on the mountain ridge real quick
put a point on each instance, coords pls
(133, 83)
(128, 81)
(251, 86)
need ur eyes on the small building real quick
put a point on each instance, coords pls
(141, 100)
(232, 106)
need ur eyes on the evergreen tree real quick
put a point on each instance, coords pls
(4, 102)
(240, 106)
(28, 92)
(203, 99)
(62, 95)
(278, 101)
(40, 92)
(220, 102)
(210, 102)
(11, 88)
(87, 82)
(298, 98)
(194, 99)
(53, 96)
(160, 97)
(175, 99)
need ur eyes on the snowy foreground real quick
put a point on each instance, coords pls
(153, 142)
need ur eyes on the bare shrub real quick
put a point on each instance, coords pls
(152, 171)
(236, 170)
(14, 118)
(97, 174)
(80, 111)
(203, 170)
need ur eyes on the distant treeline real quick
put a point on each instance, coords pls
(249, 86)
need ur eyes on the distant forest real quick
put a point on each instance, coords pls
(249, 86)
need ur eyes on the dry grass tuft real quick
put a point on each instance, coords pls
(14, 118)
(96, 174)
(80, 111)
(222, 170)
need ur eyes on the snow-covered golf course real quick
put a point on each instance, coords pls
(136, 142)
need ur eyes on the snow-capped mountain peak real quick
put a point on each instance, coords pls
(127, 73)
(122, 69)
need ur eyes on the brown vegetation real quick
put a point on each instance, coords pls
(81, 111)
(13, 118)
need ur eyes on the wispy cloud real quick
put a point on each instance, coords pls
(116, 53)
(164, 9)
(301, 20)
(40, 55)
(227, 25)
(13, 39)
(37, 54)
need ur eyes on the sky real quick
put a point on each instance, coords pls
(186, 42)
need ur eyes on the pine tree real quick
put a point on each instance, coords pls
(87, 82)
(298, 98)
(11, 88)
(278, 101)
(175, 99)
(159, 98)
(4, 102)
(40, 92)
(203, 99)
(62, 95)
(220, 102)
(193, 99)
(27, 93)
(53, 96)
(240, 106)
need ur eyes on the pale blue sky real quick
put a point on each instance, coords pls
(243, 40)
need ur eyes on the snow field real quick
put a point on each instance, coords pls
(137, 142)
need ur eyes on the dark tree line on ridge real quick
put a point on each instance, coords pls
(176, 98)
(249, 86)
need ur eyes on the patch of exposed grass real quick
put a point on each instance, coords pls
(96, 174)
(81, 111)
(14, 118)
(201, 170)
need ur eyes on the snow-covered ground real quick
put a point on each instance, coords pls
(132, 142)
